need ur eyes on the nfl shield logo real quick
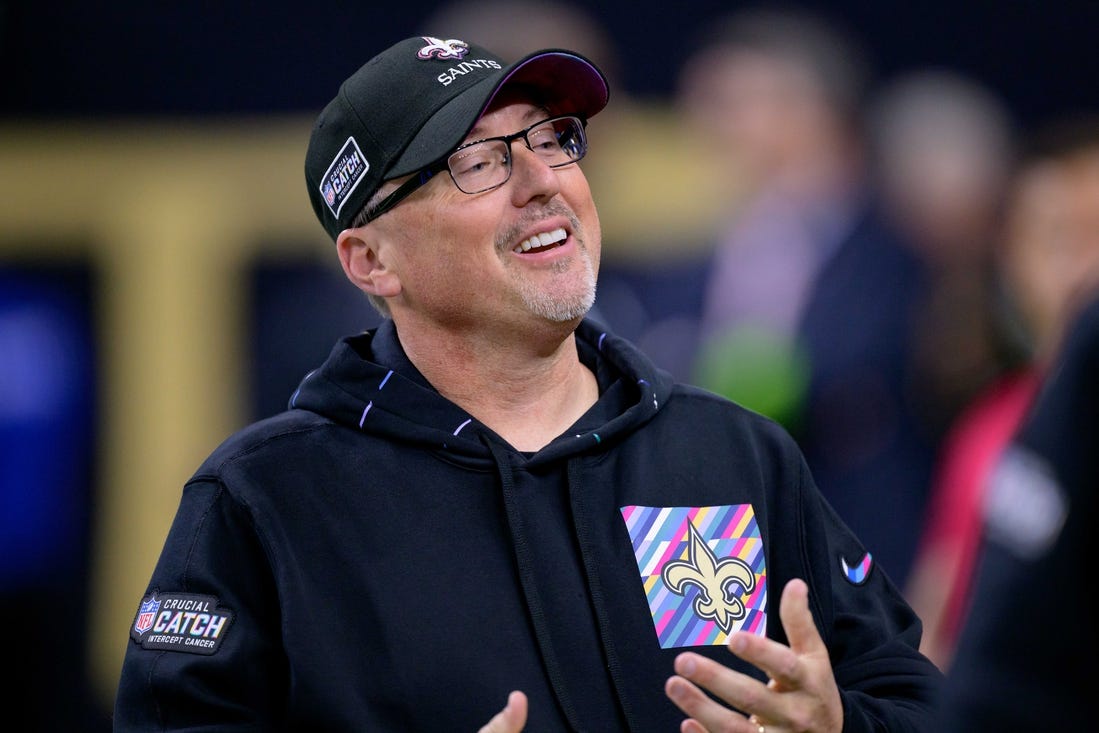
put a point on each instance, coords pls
(146, 615)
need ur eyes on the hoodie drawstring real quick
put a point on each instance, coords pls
(530, 588)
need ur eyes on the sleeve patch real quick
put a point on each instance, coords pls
(181, 622)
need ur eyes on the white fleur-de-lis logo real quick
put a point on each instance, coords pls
(438, 48)
(713, 579)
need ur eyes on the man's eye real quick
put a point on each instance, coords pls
(543, 140)
(474, 161)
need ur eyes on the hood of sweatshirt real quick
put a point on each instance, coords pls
(369, 384)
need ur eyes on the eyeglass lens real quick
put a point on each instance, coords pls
(485, 164)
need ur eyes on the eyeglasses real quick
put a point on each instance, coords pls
(483, 165)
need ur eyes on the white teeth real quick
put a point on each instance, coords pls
(541, 240)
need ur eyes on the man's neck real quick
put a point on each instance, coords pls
(528, 393)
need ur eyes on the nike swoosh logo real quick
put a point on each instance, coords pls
(857, 573)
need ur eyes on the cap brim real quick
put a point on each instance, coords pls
(569, 82)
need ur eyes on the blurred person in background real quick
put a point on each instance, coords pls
(1047, 260)
(1025, 657)
(809, 313)
(942, 147)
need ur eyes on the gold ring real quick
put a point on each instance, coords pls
(760, 728)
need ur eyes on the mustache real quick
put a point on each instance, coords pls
(506, 240)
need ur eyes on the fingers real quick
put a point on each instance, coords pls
(778, 661)
(512, 718)
(797, 620)
(801, 632)
(803, 688)
(801, 693)
(704, 714)
(695, 672)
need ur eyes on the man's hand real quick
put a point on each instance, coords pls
(512, 718)
(801, 695)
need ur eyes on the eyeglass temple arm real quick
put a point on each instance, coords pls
(401, 192)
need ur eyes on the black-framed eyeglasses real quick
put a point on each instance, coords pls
(482, 165)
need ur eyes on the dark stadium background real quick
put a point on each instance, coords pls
(210, 58)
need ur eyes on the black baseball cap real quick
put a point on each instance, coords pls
(413, 103)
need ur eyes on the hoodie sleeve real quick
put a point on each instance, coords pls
(209, 612)
(872, 634)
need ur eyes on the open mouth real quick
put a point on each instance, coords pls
(542, 242)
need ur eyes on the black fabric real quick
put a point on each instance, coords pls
(393, 565)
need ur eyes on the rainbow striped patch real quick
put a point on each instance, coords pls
(703, 571)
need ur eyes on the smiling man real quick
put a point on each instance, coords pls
(490, 496)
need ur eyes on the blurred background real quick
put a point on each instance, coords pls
(802, 209)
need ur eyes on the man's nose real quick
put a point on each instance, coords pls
(531, 175)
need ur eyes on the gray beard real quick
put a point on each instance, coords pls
(560, 309)
(547, 305)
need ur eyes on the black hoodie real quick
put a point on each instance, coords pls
(375, 559)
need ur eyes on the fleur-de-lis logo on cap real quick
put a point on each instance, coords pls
(440, 49)
(713, 579)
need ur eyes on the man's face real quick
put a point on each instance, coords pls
(461, 260)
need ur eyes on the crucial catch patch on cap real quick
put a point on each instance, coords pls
(343, 175)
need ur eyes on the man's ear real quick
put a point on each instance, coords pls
(362, 255)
